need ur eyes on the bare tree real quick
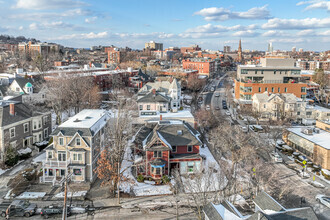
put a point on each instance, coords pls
(109, 168)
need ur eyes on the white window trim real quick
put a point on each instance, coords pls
(27, 127)
(59, 142)
(77, 138)
(10, 132)
(45, 136)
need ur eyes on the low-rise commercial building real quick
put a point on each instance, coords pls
(313, 142)
(204, 66)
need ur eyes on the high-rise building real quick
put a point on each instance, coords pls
(294, 49)
(152, 45)
(226, 49)
(301, 50)
(270, 47)
(239, 52)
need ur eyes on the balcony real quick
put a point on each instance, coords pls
(55, 164)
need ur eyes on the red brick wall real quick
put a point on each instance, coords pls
(184, 150)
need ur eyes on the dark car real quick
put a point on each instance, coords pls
(21, 208)
(224, 106)
(53, 210)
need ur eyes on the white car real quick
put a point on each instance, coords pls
(208, 108)
(217, 94)
(227, 112)
(278, 158)
(244, 129)
(325, 200)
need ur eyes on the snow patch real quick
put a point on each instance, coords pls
(31, 195)
(75, 194)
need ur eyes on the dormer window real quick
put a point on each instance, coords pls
(78, 141)
(179, 132)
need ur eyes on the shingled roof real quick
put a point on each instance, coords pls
(306, 213)
(266, 202)
(153, 98)
(22, 112)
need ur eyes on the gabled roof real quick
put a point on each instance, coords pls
(23, 81)
(306, 213)
(266, 202)
(153, 98)
(168, 133)
(219, 212)
(22, 112)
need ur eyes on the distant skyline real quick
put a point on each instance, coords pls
(208, 23)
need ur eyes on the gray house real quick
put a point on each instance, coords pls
(20, 127)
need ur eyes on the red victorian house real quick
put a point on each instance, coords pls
(166, 145)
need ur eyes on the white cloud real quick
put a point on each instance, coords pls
(52, 15)
(90, 35)
(91, 20)
(316, 4)
(221, 14)
(288, 40)
(53, 25)
(275, 33)
(248, 33)
(209, 28)
(307, 32)
(20, 28)
(307, 23)
(47, 4)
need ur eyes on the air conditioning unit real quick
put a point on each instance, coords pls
(308, 131)
(317, 130)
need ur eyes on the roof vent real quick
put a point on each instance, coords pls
(88, 117)
(77, 120)
(308, 131)
(179, 132)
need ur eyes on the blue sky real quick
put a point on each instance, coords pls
(208, 23)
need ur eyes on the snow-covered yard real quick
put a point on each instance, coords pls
(31, 195)
(75, 194)
(40, 158)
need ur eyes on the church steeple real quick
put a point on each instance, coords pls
(239, 52)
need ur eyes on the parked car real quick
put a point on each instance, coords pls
(278, 158)
(3, 207)
(212, 89)
(217, 108)
(325, 200)
(217, 94)
(21, 208)
(244, 129)
(228, 113)
(53, 210)
(224, 106)
(208, 108)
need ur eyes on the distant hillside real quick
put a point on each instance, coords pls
(15, 40)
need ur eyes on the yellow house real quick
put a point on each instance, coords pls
(76, 147)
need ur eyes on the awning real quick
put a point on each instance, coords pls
(157, 163)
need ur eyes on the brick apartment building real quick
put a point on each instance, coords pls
(204, 67)
(115, 55)
(190, 49)
(274, 75)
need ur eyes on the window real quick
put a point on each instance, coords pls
(39, 124)
(174, 104)
(274, 71)
(190, 167)
(34, 125)
(50, 155)
(264, 105)
(157, 171)
(77, 157)
(62, 172)
(262, 72)
(12, 132)
(78, 141)
(26, 127)
(278, 89)
(46, 133)
(50, 172)
(303, 89)
(272, 89)
(259, 89)
(285, 89)
(61, 141)
(298, 113)
(157, 154)
(244, 72)
(303, 97)
(266, 89)
(190, 148)
(148, 107)
(141, 107)
(174, 149)
(17, 89)
(256, 72)
(77, 172)
(61, 156)
(45, 119)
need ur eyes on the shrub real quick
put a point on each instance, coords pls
(165, 179)
(11, 157)
(24, 156)
(151, 179)
(318, 173)
(181, 108)
(140, 178)
(327, 177)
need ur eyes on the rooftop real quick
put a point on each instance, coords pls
(322, 138)
(84, 119)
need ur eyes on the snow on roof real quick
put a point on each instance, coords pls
(224, 213)
(179, 114)
(93, 119)
(321, 139)
(164, 140)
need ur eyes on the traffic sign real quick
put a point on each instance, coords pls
(304, 162)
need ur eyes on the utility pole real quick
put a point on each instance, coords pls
(65, 198)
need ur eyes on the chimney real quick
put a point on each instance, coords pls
(12, 109)
(160, 117)
(154, 91)
(195, 124)
(171, 79)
